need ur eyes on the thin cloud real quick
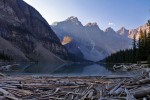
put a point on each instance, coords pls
(111, 24)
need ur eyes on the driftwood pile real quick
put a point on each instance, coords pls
(76, 88)
(5, 68)
(130, 67)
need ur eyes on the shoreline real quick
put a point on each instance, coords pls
(114, 87)
(57, 88)
(105, 87)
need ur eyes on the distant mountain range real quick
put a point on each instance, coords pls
(91, 41)
(26, 36)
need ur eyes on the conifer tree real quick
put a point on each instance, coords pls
(134, 49)
(140, 52)
(148, 41)
(140, 46)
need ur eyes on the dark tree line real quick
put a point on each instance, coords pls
(139, 52)
(123, 56)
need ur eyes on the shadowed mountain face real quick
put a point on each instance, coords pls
(26, 36)
(94, 43)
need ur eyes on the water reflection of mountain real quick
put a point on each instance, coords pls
(68, 69)
(41, 68)
(71, 68)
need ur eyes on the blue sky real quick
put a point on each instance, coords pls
(107, 13)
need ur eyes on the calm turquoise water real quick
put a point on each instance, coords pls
(67, 70)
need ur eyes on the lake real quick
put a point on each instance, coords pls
(66, 70)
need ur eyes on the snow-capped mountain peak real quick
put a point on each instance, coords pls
(109, 30)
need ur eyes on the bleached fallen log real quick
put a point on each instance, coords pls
(8, 67)
(2, 75)
(55, 98)
(1, 97)
(11, 98)
(8, 95)
(4, 92)
(118, 91)
(7, 85)
(116, 77)
(55, 91)
(129, 95)
(144, 81)
(145, 98)
(86, 90)
(146, 69)
(103, 98)
(69, 97)
(115, 88)
(142, 92)
(89, 94)
(19, 91)
(132, 86)
(92, 93)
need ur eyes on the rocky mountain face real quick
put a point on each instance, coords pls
(136, 31)
(123, 32)
(72, 47)
(129, 34)
(73, 28)
(25, 34)
(94, 43)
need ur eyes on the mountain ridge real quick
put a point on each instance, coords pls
(23, 27)
(91, 39)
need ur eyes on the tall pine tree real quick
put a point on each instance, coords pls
(148, 41)
(134, 49)
(140, 52)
